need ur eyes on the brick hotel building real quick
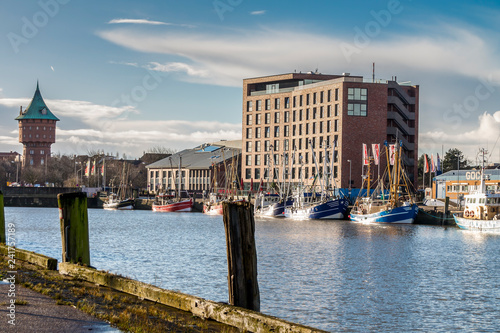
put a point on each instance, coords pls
(281, 112)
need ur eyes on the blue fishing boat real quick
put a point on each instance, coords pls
(308, 205)
(396, 206)
(325, 204)
(271, 205)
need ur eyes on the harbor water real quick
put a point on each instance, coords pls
(332, 275)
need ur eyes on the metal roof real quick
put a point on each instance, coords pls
(197, 158)
(37, 109)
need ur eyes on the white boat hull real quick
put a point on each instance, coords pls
(477, 225)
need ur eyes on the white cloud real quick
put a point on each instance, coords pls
(177, 67)
(485, 135)
(136, 21)
(229, 57)
(146, 22)
(258, 12)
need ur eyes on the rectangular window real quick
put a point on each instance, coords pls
(314, 128)
(300, 129)
(257, 159)
(249, 119)
(337, 94)
(248, 173)
(249, 133)
(314, 113)
(294, 101)
(259, 105)
(277, 103)
(357, 94)
(276, 117)
(257, 146)
(294, 118)
(314, 98)
(286, 116)
(267, 132)
(249, 106)
(329, 96)
(268, 104)
(249, 147)
(268, 118)
(276, 146)
(321, 127)
(276, 131)
(249, 160)
(300, 100)
(307, 99)
(286, 145)
(307, 114)
(328, 125)
(336, 110)
(321, 112)
(300, 115)
(329, 111)
(257, 133)
(257, 174)
(286, 130)
(336, 125)
(300, 144)
(258, 118)
(307, 128)
(267, 145)
(287, 102)
(294, 127)
(356, 109)
(321, 97)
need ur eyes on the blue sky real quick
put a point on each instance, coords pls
(126, 76)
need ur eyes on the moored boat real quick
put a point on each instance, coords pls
(114, 203)
(271, 205)
(396, 206)
(165, 204)
(482, 209)
(308, 205)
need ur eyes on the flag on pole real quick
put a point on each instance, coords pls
(438, 163)
(365, 154)
(102, 169)
(392, 153)
(251, 184)
(93, 168)
(433, 166)
(426, 164)
(261, 186)
(87, 169)
(376, 152)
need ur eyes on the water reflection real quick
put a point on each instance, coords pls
(334, 275)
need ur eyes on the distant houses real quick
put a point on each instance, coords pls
(203, 168)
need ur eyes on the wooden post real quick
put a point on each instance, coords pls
(239, 226)
(446, 208)
(74, 227)
(2, 220)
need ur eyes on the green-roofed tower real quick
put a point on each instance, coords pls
(37, 131)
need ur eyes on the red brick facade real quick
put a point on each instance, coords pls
(287, 110)
(36, 135)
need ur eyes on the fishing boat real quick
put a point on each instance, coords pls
(228, 191)
(393, 206)
(169, 203)
(121, 199)
(113, 202)
(173, 202)
(325, 204)
(482, 209)
(271, 205)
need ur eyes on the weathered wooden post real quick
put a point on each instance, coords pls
(239, 226)
(74, 227)
(2, 220)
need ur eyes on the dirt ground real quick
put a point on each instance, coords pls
(127, 312)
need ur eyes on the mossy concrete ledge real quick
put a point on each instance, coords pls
(230, 315)
(31, 257)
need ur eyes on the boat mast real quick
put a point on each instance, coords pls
(317, 169)
(483, 187)
(180, 175)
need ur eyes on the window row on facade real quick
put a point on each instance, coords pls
(297, 101)
(299, 129)
(294, 174)
(290, 144)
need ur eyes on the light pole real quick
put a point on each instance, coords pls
(458, 180)
(350, 164)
